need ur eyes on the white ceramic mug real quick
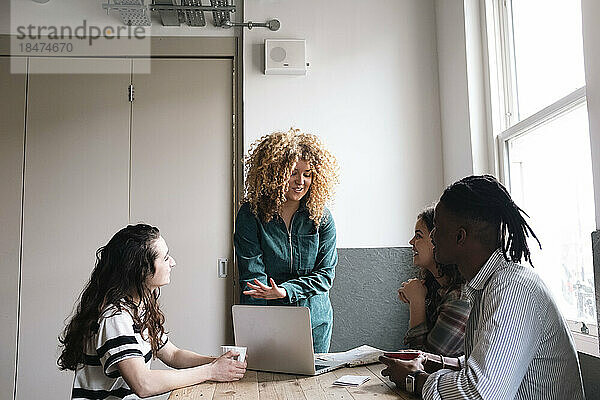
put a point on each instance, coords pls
(237, 349)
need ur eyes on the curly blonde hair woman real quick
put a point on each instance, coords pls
(270, 165)
(285, 237)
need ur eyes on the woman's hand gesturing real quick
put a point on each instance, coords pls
(261, 291)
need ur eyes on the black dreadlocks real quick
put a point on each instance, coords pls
(483, 199)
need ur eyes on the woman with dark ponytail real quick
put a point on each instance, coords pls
(517, 344)
(118, 327)
(438, 313)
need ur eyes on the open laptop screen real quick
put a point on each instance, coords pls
(278, 338)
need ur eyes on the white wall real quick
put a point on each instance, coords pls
(591, 47)
(460, 77)
(454, 97)
(465, 138)
(371, 93)
(481, 141)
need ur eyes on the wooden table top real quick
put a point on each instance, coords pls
(273, 386)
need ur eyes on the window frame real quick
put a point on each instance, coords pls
(498, 35)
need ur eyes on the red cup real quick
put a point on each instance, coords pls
(402, 355)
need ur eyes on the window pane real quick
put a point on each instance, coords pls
(551, 179)
(548, 45)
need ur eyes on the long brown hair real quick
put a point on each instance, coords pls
(455, 279)
(122, 268)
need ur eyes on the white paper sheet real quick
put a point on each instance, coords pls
(351, 380)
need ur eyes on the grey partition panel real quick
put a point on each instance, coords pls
(366, 308)
(75, 198)
(182, 182)
(12, 133)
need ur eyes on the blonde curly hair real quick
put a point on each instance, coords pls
(268, 168)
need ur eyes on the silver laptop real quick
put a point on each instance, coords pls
(278, 339)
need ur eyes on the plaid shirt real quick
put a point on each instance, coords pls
(446, 332)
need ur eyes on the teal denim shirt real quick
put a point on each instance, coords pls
(302, 261)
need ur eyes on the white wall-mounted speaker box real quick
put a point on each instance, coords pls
(285, 57)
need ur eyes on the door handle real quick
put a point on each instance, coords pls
(222, 267)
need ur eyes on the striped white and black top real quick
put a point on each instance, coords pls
(116, 340)
(517, 344)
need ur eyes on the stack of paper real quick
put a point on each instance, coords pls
(351, 380)
(358, 356)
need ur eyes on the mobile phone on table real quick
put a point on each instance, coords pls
(403, 354)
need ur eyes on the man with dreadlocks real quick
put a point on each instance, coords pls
(517, 344)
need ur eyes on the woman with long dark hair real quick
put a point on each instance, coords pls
(118, 327)
(438, 314)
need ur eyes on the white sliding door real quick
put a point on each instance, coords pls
(75, 198)
(94, 162)
(12, 134)
(181, 181)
